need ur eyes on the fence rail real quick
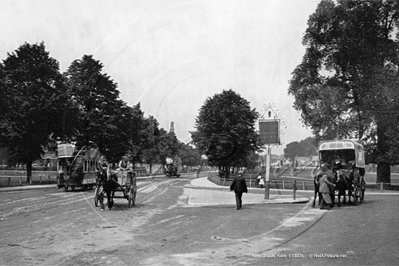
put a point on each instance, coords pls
(305, 185)
(15, 180)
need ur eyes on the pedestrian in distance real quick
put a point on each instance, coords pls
(325, 190)
(262, 183)
(259, 178)
(239, 186)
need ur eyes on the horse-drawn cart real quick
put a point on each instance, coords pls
(346, 157)
(119, 184)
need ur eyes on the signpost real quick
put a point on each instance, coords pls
(269, 131)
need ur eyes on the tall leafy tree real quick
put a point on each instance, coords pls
(104, 118)
(306, 147)
(189, 156)
(158, 144)
(344, 85)
(150, 153)
(138, 134)
(32, 100)
(167, 145)
(225, 130)
(252, 160)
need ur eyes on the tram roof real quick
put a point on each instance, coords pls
(340, 145)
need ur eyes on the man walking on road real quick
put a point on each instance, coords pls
(239, 186)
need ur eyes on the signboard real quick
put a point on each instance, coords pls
(269, 131)
(65, 150)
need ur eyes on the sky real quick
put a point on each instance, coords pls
(171, 55)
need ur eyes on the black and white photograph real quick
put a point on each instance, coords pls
(199, 132)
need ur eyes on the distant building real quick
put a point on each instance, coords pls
(312, 160)
(172, 127)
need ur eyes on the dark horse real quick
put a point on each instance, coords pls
(343, 184)
(316, 179)
(108, 186)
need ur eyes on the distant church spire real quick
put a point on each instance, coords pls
(172, 127)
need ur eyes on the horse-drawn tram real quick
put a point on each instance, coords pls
(347, 162)
(76, 167)
(112, 184)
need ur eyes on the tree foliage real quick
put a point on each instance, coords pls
(32, 101)
(138, 135)
(167, 145)
(225, 129)
(39, 105)
(150, 150)
(189, 156)
(104, 119)
(158, 144)
(306, 148)
(344, 85)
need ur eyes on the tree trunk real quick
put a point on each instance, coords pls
(29, 171)
(383, 166)
(134, 165)
(383, 173)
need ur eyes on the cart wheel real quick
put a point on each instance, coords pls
(96, 197)
(132, 198)
(129, 199)
(356, 195)
(66, 188)
(101, 201)
(362, 190)
(361, 195)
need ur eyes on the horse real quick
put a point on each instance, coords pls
(109, 188)
(343, 183)
(316, 179)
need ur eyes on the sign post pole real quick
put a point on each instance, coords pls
(267, 177)
(269, 131)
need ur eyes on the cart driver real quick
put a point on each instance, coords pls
(102, 174)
